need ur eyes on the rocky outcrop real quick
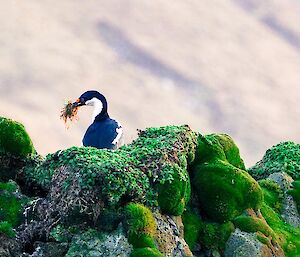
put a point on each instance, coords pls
(171, 192)
(289, 210)
(247, 245)
(170, 236)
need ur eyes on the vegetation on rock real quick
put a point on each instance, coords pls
(152, 170)
(140, 225)
(11, 207)
(223, 190)
(192, 224)
(94, 201)
(14, 138)
(283, 157)
(146, 252)
(295, 192)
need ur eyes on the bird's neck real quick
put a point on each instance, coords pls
(99, 112)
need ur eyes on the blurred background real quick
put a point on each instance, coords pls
(230, 66)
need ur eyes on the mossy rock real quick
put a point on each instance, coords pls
(210, 235)
(141, 225)
(146, 252)
(254, 224)
(223, 189)
(214, 147)
(152, 170)
(7, 229)
(192, 224)
(14, 138)
(11, 207)
(174, 195)
(295, 192)
(213, 236)
(273, 194)
(283, 157)
(286, 235)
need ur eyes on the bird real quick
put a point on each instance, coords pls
(104, 132)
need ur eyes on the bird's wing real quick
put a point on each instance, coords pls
(118, 141)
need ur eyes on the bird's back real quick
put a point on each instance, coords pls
(103, 134)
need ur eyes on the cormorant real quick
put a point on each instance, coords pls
(104, 132)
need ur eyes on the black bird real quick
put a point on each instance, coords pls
(104, 132)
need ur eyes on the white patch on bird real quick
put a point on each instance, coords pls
(98, 106)
(117, 141)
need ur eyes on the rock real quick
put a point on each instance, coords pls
(289, 210)
(247, 245)
(9, 247)
(169, 236)
(49, 249)
(93, 244)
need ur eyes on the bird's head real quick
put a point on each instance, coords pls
(93, 98)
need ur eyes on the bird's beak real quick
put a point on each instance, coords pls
(78, 103)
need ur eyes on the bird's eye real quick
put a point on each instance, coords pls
(77, 100)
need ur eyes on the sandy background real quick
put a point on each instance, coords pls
(229, 66)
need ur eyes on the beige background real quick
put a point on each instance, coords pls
(229, 66)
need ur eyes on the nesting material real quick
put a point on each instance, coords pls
(69, 113)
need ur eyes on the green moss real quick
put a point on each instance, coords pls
(173, 195)
(252, 224)
(192, 224)
(281, 157)
(224, 191)
(146, 252)
(10, 204)
(263, 239)
(149, 170)
(287, 236)
(140, 219)
(140, 224)
(10, 186)
(141, 241)
(14, 138)
(218, 147)
(273, 194)
(295, 192)
(223, 188)
(6, 228)
(214, 235)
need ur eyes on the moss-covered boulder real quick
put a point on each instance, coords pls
(283, 157)
(14, 138)
(141, 225)
(268, 223)
(15, 148)
(222, 186)
(83, 182)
